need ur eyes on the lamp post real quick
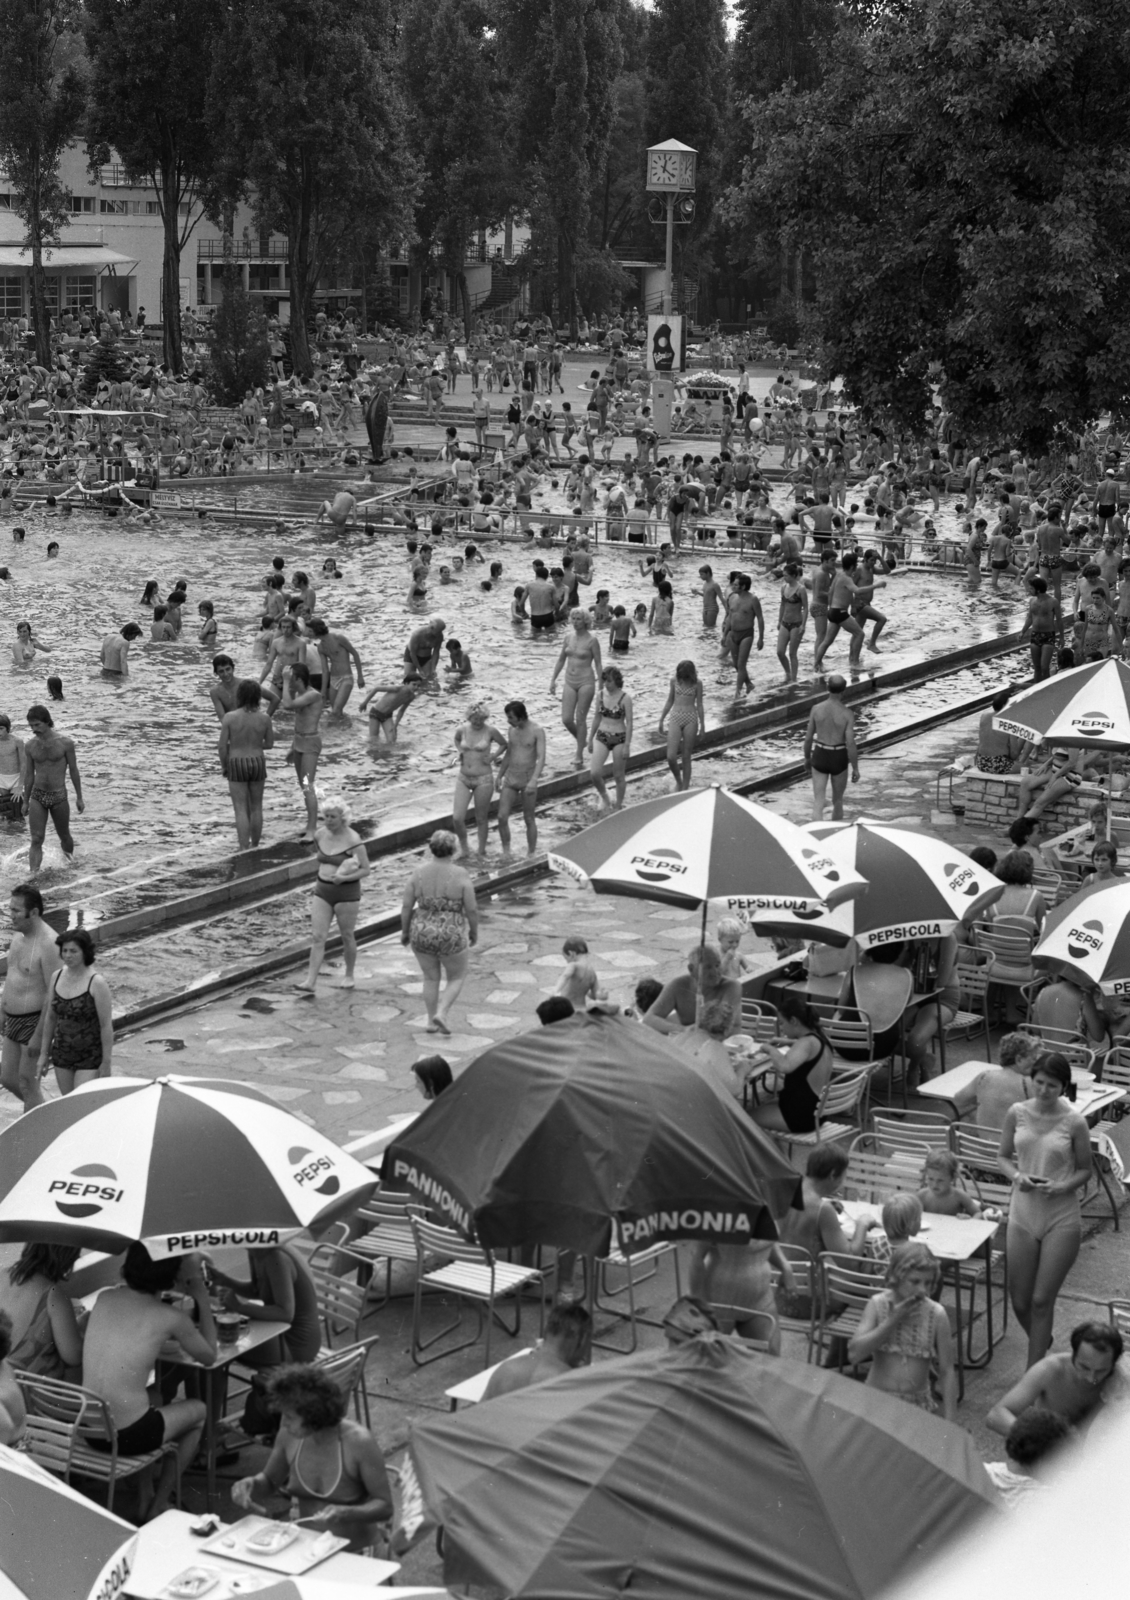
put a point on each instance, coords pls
(671, 170)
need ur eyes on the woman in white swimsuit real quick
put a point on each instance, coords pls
(475, 783)
(580, 656)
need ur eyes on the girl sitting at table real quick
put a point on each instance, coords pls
(901, 1218)
(330, 1467)
(939, 1192)
(903, 1330)
(280, 1289)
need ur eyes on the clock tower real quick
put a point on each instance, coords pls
(671, 171)
(671, 168)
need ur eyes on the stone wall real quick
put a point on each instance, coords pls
(990, 800)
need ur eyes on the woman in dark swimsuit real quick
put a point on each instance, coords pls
(806, 1065)
(342, 863)
(78, 1026)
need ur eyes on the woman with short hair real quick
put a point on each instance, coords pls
(439, 918)
(78, 1020)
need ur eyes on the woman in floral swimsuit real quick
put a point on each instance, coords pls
(439, 918)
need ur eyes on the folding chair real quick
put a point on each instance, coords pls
(346, 1367)
(841, 1097)
(848, 1030)
(847, 1284)
(61, 1420)
(874, 1174)
(976, 1148)
(617, 1261)
(806, 1280)
(1067, 1041)
(1116, 1074)
(341, 1307)
(387, 1237)
(1009, 951)
(913, 1132)
(469, 1273)
(973, 1001)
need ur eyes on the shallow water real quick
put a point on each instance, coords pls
(147, 749)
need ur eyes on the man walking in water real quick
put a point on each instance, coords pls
(829, 749)
(32, 958)
(245, 734)
(306, 703)
(518, 774)
(50, 758)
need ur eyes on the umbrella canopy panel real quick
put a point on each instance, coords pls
(178, 1163)
(1088, 706)
(557, 1135)
(54, 1542)
(1087, 938)
(707, 845)
(708, 1471)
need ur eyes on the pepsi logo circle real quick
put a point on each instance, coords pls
(658, 866)
(85, 1191)
(1085, 941)
(313, 1171)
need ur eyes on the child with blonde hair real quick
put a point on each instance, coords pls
(939, 1192)
(903, 1329)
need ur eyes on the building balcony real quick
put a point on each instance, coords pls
(243, 250)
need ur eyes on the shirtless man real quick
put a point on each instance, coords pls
(338, 655)
(287, 649)
(744, 611)
(818, 521)
(13, 771)
(568, 1337)
(1042, 627)
(51, 758)
(115, 650)
(1072, 1386)
(1000, 554)
(422, 651)
(127, 1328)
(822, 580)
(337, 511)
(1049, 548)
(843, 593)
(540, 596)
(299, 696)
(829, 749)
(862, 610)
(222, 692)
(32, 959)
(395, 698)
(245, 734)
(518, 774)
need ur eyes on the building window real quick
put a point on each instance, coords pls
(152, 208)
(51, 294)
(11, 297)
(82, 203)
(113, 208)
(5, 201)
(263, 276)
(79, 292)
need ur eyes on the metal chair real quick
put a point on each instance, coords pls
(1118, 1312)
(977, 1147)
(760, 1019)
(914, 1132)
(1009, 951)
(469, 1273)
(806, 1280)
(61, 1420)
(617, 1261)
(1116, 1074)
(874, 1174)
(973, 1000)
(346, 1367)
(1067, 1041)
(848, 1030)
(847, 1283)
(842, 1096)
(388, 1237)
(341, 1306)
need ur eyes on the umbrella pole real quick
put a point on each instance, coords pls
(1110, 795)
(701, 951)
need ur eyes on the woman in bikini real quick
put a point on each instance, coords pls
(475, 783)
(439, 918)
(342, 863)
(685, 720)
(26, 645)
(328, 1465)
(580, 656)
(611, 735)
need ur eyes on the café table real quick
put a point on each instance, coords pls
(166, 1546)
(954, 1241)
(471, 1390)
(250, 1338)
(1091, 1100)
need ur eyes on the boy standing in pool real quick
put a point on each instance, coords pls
(51, 757)
(393, 703)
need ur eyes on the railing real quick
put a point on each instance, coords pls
(113, 176)
(242, 250)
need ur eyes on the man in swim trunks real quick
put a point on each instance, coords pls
(422, 651)
(1049, 548)
(33, 958)
(337, 653)
(840, 600)
(743, 610)
(338, 511)
(518, 774)
(222, 692)
(540, 595)
(1042, 626)
(306, 702)
(13, 771)
(245, 734)
(51, 758)
(388, 713)
(821, 588)
(115, 650)
(829, 749)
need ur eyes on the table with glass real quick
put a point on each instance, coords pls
(954, 1242)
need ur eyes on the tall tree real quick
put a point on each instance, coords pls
(313, 127)
(151, 62)
(960, 184)
(688, 77)
(457, 104)
(41, 104)
(781, 41)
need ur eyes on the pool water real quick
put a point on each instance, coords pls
(147, 748)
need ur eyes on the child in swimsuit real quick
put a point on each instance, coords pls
(903, 1330)
(579, 982)
(621, 632)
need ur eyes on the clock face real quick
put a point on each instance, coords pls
(663, 169)
(686, 171)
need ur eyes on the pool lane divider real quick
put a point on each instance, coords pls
(504, 880)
